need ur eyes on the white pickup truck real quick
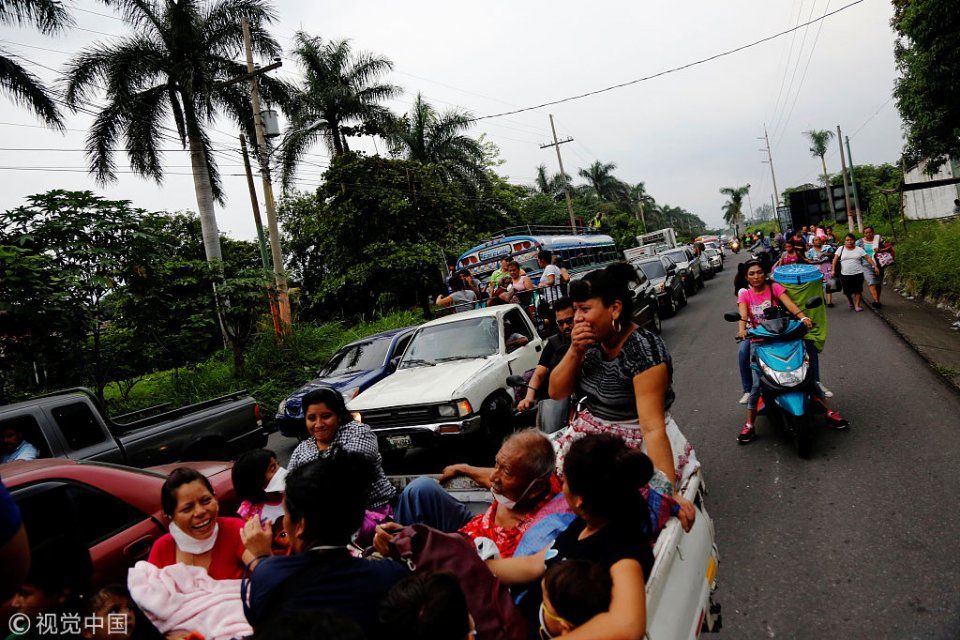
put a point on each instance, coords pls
(450, 382)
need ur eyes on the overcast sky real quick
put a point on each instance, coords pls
(685, 135)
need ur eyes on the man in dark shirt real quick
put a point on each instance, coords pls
(553, 351)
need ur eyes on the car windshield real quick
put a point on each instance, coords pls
(357, 357)
(460, 340)
(653, 270)
(677, 256)
(711, 253)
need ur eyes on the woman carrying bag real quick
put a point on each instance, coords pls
(881, 250)
(850, 258)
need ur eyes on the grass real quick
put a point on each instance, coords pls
(928, 258)
(272, 370)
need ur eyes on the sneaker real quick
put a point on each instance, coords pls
(826, 392)
(836, 421)
(830, 304)
(876, 305)
(858, 309)
(849, 305)
(745, 398)
(747, 434)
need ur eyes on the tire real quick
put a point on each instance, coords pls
(670, 310)
(802, 428)
(690, 290)
(700, 283)
(683, 297)
(657, 325)
(496, 423)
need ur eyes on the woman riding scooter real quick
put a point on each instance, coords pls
(752, 303)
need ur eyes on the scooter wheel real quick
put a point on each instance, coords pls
(802, 428)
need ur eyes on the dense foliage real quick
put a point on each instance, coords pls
(928, 91)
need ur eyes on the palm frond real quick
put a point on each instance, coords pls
(49, 16)
(27, 89)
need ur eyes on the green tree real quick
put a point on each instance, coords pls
(408, 215)
(603, 184)
(819, 141)
(733, 208)
(552, 185)
(428, 137)
(172, 66)
(928, 90)
(644, 203)
(48, 16)
(340, 88)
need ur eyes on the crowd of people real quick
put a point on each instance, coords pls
(322, 548)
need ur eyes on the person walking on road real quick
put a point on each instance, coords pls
(850, 259)
(818, 255)
(874, 245)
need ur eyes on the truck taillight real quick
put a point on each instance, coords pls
(256, 413)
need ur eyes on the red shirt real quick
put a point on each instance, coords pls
(226, 559)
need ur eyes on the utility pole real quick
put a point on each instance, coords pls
(262, 240)
(773, 175)
(846, 191)
(274, 228)
(853, 183)
(563, 174)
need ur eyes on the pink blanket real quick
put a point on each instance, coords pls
(180, 597)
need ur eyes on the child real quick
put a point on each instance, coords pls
(573, 592)
(258, 480)
(59, 573)
(106, 606)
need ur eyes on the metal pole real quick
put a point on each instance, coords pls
(281, 278)
(846, 191)
(853, 184)
(773, 174)
(563, 174)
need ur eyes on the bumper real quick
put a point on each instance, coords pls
(398, 439)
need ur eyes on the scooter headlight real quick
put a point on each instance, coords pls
(786, 378)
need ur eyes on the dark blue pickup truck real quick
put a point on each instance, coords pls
(351, 371)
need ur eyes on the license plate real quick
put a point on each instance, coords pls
(399, 442)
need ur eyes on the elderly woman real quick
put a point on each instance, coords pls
(323, 507)
(198, 535)
(332, 430)
(625, 375)
(820, 255)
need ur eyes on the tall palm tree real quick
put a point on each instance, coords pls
(601, 181)
(48, 16)
(819, 141)
(340, 87)
(643, 201)
(429, 137)
(733, 208)
(551, 185)
(172, 66)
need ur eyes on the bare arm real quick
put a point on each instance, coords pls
(444, 301)
(742, 324)
(627, 617)
(794, 309)
(518, 571)
(536, 381)
(649, 388)
(480, 475)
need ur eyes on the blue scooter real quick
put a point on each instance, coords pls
(786, 383)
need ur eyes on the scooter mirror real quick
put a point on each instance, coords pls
(731, 316)
(516, 381)
(814, 302)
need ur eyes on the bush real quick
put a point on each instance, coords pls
(927, 258)
(272, 370)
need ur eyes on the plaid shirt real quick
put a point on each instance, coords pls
(356, 438)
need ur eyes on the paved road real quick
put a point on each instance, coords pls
(862, 540)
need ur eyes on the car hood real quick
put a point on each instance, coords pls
(421, 385)
(341, 382)
(656, 282)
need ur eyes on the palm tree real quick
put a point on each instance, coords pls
(733, 208)
(643, 201)
(429, 137)
(340, 87)
(551, 185)
(49, 16)
(602, 182)
(819, 140)
(172, 66)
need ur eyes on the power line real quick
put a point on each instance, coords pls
(786, 66)
(695, 63)
(796, 67)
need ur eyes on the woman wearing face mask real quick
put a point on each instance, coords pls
(625, 375)
(198, 536)
(333, 430)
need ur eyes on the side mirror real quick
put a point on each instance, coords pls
(731, 316)
(394, 363)
(814, 302)
(517, 382)
(672, 269)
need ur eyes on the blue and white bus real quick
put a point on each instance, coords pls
(579, 252)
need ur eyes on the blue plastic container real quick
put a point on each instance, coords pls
(797, 273)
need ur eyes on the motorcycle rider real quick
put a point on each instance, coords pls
(752, 303)
(553, 351)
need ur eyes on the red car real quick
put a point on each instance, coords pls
(113, 510)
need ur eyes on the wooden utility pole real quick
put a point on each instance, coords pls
(853, 184)
(563, 174)
(773, 174)
(846, 191)
(261, 239)
(274, 229)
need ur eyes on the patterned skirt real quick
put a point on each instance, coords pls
(584, 422)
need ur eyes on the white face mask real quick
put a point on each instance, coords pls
(278, 483)
(510, 504)
(189, 544)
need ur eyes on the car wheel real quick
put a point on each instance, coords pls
(683, 297)
(496, 423)
(656, 324)
(670, 309)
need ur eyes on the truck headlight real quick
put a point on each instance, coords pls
(447, 410)
(350, 394)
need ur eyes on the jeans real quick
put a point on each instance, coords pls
(743, 358)
(424, 501)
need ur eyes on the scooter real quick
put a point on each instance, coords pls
(735, 246)
(786, 382)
